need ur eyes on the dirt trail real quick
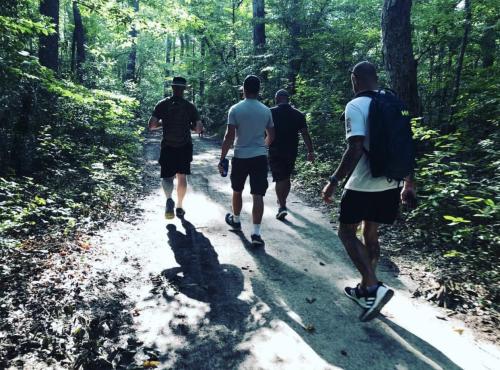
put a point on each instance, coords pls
(202, 298)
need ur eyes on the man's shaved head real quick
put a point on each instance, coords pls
(365, 71)
(363, 76)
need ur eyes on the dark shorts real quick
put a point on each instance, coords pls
(176, 160)
(256, 168)
(380, 207)
(281, 166)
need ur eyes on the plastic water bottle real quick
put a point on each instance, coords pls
(225, 165)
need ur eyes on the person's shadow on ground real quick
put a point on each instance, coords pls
(200, 276)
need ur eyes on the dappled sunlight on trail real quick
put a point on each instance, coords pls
(206, 299)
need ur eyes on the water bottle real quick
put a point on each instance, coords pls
(225, 165)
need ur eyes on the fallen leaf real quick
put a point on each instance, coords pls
(151, 364)
(310, 328)
(459, 330)
(322, 263)
(441, 318)
(343, 353)
(310, 300)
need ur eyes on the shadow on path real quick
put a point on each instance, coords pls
(285, 290)
(202, 278)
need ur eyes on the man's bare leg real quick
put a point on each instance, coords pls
(282, 191)
(370, 240)
(358, 253)
(181, 188)
(237, 203)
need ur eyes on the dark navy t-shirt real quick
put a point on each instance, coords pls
(288, 122)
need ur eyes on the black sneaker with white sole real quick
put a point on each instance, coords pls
(376, 301)
(169, 209)
(282, 213)
(357, 296)
(230, 221)
(180, 213)
(257, 241)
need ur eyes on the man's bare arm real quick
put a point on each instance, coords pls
(350, 158)
(307, 140)
(154, 123)
(349, 161)
(271, 134)
(228, 141)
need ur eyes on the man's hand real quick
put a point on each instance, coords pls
(221, 169)
(311, 157)
(409, 195)
(199, 127)
(327, 192)
(154, 124)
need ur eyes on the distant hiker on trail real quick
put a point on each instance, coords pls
(288, 122)
(376, 122)
(248, 121)
(178, 117)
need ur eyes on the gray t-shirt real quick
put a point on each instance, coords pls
(251, 118)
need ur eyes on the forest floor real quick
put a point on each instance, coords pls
(190, 294)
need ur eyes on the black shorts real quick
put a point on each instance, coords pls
(176, 160)
(256, 168)
(381, 207)
(281, 166)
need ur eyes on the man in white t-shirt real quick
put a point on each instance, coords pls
(367, 201)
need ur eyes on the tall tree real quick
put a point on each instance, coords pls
(295, 52)
(78, 44)
(132, 56)
(259, 27)
(397, 51)
(465, 41)
(49, 45)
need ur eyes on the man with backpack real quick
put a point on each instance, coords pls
(248, 122)
(379, 158)
(178, 117)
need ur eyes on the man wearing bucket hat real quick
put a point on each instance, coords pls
(178, 117)
(288, 122)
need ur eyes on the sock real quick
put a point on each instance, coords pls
(256, 229)
(167, 183)
(236, 218)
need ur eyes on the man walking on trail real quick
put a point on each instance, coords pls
(178, 117)
(288, 122)
(367, 201)
(247, 122)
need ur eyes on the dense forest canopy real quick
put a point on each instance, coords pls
(79, 79)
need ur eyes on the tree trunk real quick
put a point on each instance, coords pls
(132, 57)
(488, 44)
(397, 51)
(259, 27)
(295, 51)
(465, 40)
(181, 37)
(202, 75)
(78, 47)
(48, 52)
(168, 59)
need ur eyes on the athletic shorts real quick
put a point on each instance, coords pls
(281, 166)
(176, 160)
(256, 168)
(381, 207)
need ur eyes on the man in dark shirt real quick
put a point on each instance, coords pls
(288, 122)
(178, 117)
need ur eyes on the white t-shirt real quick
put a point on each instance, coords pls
(356, 124)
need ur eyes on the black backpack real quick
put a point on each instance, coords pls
(392, 150)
